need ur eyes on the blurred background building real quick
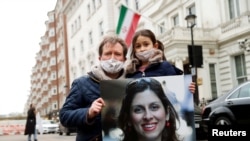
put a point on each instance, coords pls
(68, 47)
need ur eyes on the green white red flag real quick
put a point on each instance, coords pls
(127, 24)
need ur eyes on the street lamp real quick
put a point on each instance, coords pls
(190, 24)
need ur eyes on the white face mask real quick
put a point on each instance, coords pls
(145, 55)
(112, 65)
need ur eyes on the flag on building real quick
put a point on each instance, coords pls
(127, 24)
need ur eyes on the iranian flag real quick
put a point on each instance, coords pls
(127, 24)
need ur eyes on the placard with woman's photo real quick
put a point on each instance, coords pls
(148, 108)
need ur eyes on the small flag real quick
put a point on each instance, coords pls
(127, 24)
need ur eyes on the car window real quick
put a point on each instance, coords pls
(234, 95)
(245, 91)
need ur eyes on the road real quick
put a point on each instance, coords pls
(44, 137)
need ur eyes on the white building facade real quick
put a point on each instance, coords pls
(220, 25)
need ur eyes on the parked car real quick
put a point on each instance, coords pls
(48, 126)
(230, 109)
(199, 129)
(66, 130)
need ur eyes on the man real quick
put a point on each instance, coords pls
(83, 105)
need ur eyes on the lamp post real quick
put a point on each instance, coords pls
(190, 24)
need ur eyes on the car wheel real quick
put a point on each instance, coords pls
(60, 133)
(223, 121)
(68, 133)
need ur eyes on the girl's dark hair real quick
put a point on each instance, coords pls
(139, 85)
(161, 47)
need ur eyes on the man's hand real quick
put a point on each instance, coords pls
(96, 108)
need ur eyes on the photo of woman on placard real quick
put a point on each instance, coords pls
(147, 109)
(146, 113)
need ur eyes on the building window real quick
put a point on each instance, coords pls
(74, 75)
(53, 76)
(83, 70)
(46, 87)
(52, 47)
(234, 9)
(99, 3)
(76, 25)
(94, 7)
(240, 68)
(126, 1)
(91, 63)
(90, 38)
(53, 61)
(81, 46)
(212, 73)
(55, 106)
(51, 18)
(101, 28)
(162, 28)
(89, 10)
(79, 21)
(74, 52)
(72, 29)
(54, 91)
(176, 20)
(191, 10)
(137, 4)
(51, 33)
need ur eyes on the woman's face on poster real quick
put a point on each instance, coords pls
(148, 115)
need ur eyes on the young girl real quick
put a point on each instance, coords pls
(147, 59)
